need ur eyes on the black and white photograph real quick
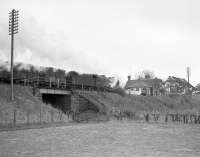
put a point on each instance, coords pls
(99, 78)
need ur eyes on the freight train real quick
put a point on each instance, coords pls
(50, 78)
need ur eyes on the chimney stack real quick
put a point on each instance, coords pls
(129, 77)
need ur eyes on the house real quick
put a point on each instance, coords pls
(196, 91)
(146, 86)
(175, 85)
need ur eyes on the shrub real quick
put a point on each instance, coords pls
(119, 91)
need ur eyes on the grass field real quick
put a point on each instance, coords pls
(114, 138)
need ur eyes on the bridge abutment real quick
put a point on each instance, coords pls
(60, 99)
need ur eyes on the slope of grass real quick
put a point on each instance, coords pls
(28, 108)
(162, 104)
(24, 99)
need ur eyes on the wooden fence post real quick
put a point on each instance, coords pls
(1, 118)
(40, 113)
(51, 115)
(49, 82)
(24, 82)
(28, 114)
(58, 83)
(14, 117)
(60, 116)
(65, 84)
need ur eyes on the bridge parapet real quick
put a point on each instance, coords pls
(54, 91)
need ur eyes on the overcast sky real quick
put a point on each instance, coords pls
(111, 37)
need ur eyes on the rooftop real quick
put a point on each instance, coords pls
(140, 83)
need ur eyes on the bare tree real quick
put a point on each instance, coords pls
(145, 74)
(117, 84)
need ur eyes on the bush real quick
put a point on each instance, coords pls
(119, 91)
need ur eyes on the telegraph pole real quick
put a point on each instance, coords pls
(188, 76)
(13, 29)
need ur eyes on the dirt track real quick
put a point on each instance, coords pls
(116, 139)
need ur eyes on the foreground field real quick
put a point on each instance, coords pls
(115, 139)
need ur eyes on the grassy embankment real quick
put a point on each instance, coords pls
(29, 109)
(26, 108)
(142, 104)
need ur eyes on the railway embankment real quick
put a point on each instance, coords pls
(26, 109)
(137, 107)
(179, 103)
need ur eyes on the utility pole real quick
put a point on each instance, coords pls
(13, 29)
(188, 76)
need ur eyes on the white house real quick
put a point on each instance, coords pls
(143, 86)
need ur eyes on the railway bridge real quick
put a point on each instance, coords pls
(67, 96)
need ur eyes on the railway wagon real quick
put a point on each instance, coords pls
(89, 82)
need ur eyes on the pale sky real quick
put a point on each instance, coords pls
(111, 37)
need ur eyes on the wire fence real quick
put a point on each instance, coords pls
(16, 117)
(177, 118)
